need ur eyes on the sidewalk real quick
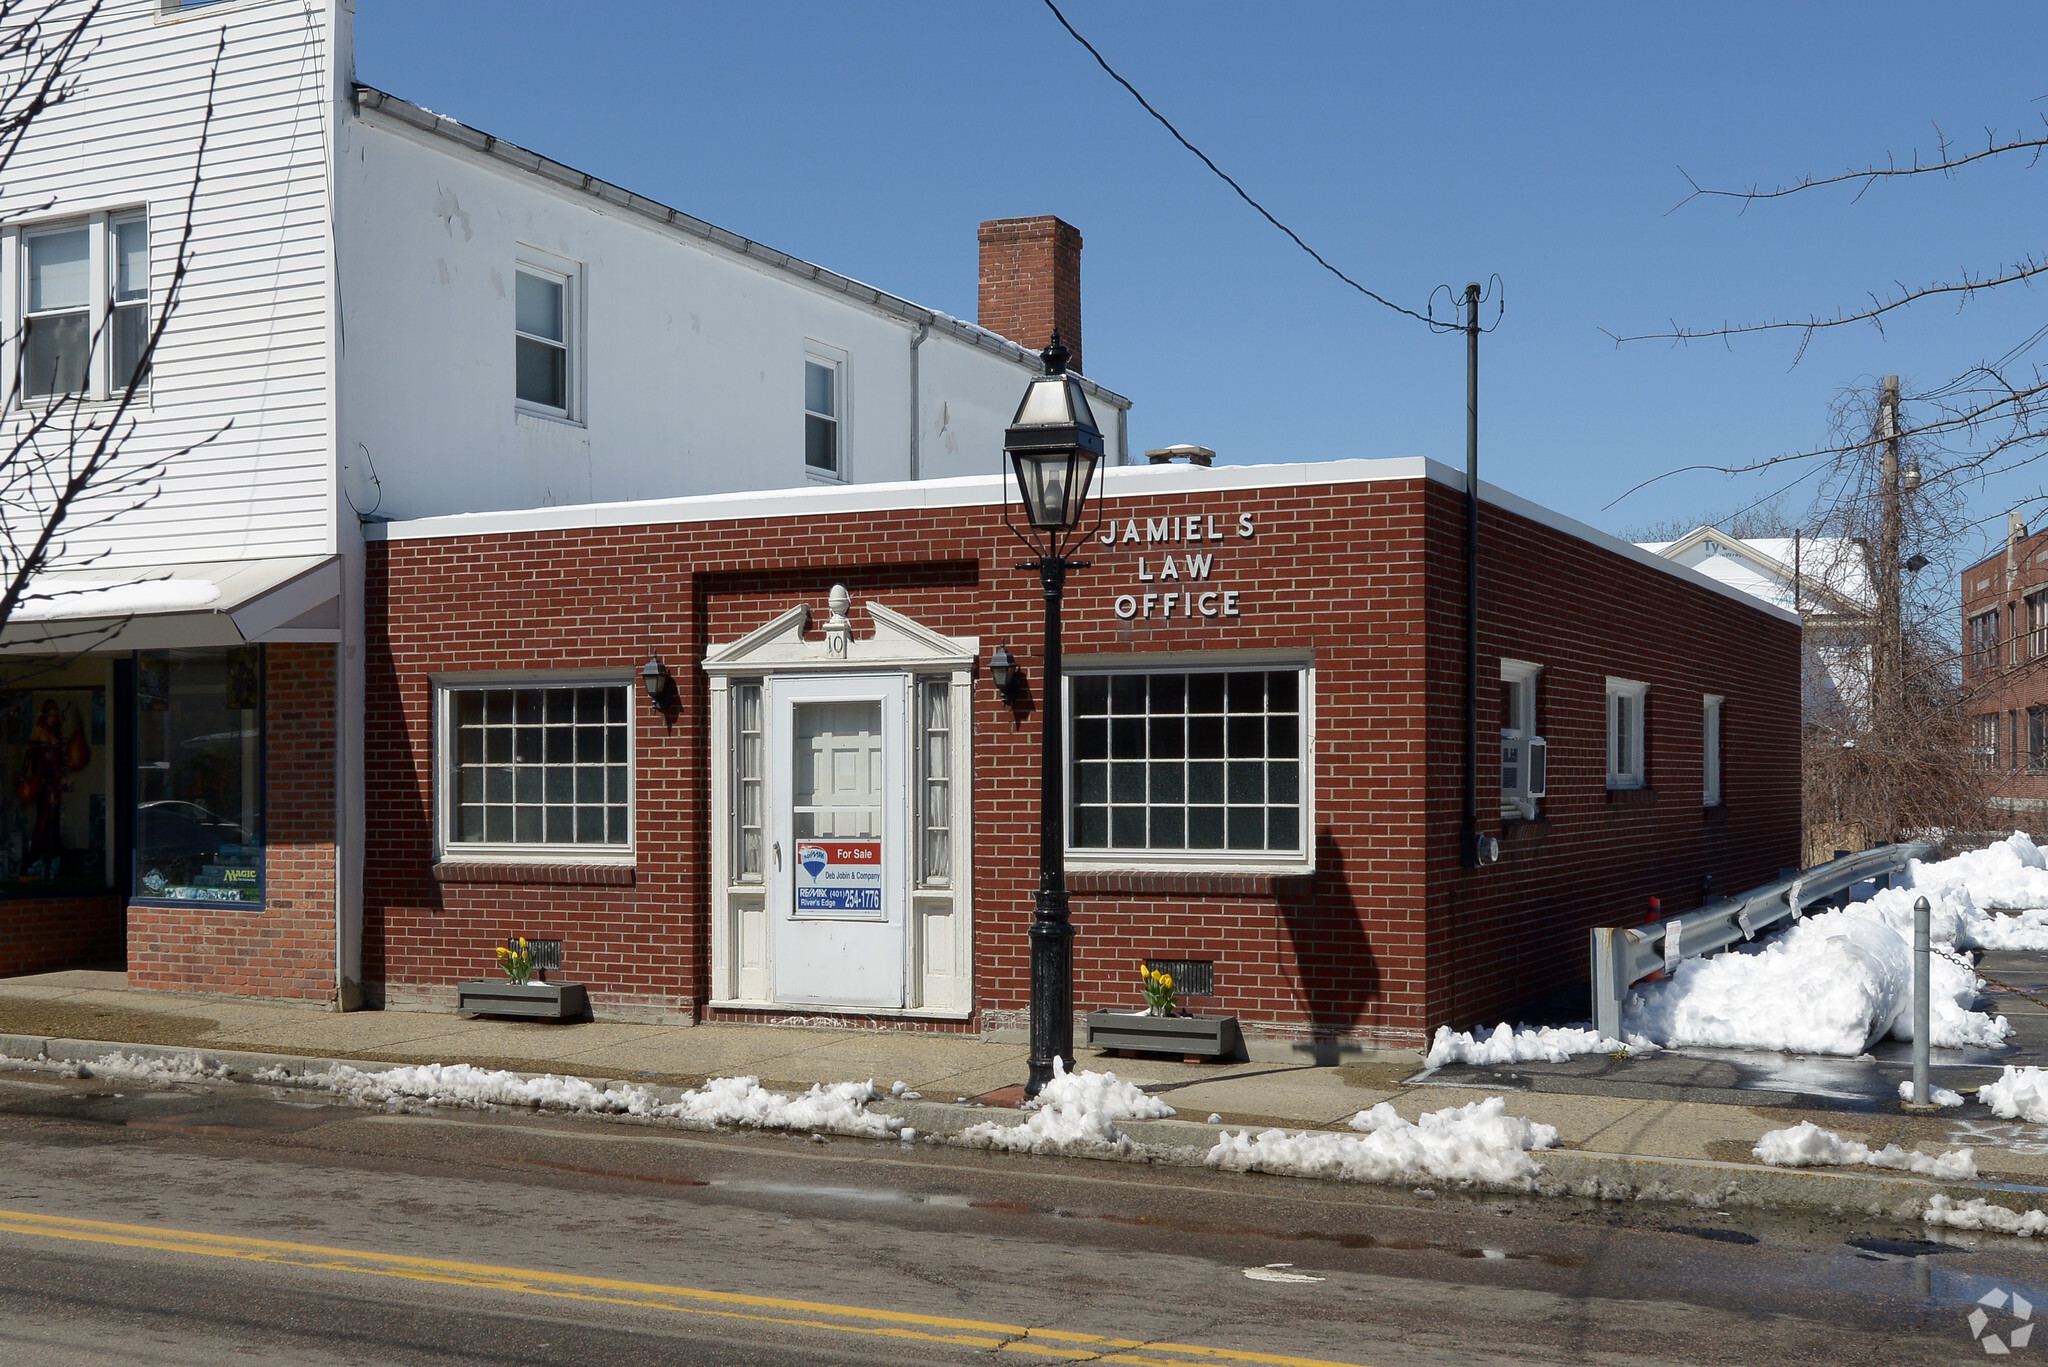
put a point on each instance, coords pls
(1644, 1144)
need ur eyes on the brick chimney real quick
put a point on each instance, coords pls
(1031, 281)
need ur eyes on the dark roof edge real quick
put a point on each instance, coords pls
(567, 177)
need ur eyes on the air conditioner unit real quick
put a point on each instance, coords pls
(1538, 765)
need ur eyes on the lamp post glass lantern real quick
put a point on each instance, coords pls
(1054, 447)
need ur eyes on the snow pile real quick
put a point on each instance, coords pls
(839, 1107)
(1547, 1044)
(2019, 1094)
(1075, 1112)
(1807, 1145)
(1837, 981)
(1977, 1213)
(1104, 1092)
(1939, 1096)
(1478, 1144)
(117, 1066)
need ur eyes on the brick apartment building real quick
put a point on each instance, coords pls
(2005, 640)
(1264, 673)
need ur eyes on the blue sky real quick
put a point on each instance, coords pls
(1412, 145)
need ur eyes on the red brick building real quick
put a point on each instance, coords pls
(2005, 638)
(1264, 678)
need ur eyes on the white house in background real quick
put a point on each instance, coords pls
(388, 315)
(1825, 579)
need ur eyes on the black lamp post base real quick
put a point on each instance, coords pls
(1052, 990)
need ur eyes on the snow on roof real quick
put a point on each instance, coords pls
(1832, 571)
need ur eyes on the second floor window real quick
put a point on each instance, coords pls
(1983, 640)
(1984, 740)
(543, 341)
(57, 331)
(2037, 625)
(130, 241)
(2037, 738)
(821, 416)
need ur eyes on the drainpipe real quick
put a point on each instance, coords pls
(924, 330)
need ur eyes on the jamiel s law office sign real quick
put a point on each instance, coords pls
(1174, 569)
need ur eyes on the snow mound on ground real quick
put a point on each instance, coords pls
(1807, 1145)
(1479, 1144)
(1073, 1113)
(839, 1107)
(1977, 1213)
(118, 1066)
(1940, 1096)
(1546, 1044)
(2019, 1094)
(1836, 981)
(1103, 1092)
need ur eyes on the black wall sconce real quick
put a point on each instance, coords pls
(1006, 676)
(654, 676)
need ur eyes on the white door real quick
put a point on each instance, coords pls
(839, 820)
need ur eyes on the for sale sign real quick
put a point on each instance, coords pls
(839, 876)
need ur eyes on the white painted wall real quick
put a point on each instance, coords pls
(692, 368)
(249, 342)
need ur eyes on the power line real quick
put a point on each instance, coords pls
(1434, 322)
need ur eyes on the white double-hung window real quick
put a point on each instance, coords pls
(824, 410)
(1523, 755)
(85, 307)
(544, 340)
(1626, 699)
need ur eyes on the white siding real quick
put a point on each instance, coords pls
(693, 356)
(245, 360)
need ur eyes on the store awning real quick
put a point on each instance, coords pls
(224, 603)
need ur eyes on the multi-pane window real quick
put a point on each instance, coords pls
(1710, 752)
(1625, 698)
(130, 287)
(749, 767)
(1983, 642)
(1523, 754)
(935, 782)
(1198, 762)
(57, 328)
(540, 766)
(542, 340)
(2037, 625)
(821, 416)
(2037, 738)
(1984, 740)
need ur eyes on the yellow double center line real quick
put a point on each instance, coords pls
(683, 1300)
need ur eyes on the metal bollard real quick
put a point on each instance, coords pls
(1922, 1002)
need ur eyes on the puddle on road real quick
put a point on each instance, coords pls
(205, 1113)
(862, 1195)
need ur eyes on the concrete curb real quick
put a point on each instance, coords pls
(1184, 1143)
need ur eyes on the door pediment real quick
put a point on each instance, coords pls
(786, 644)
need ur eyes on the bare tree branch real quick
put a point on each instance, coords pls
(1944, 164)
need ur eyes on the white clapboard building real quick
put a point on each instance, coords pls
(387, 314)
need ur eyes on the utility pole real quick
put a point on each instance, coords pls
(1472, 851)
(1889, 663)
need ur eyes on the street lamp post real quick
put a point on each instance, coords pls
(1054, 447)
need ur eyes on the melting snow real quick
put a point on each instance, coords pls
(2019, 1094)
(124, 1067)
(1477, 1143)
(1977, 1213)
(1505, 1045)
(840, 1107)
(1940, 1096)
(1807, 1145)
(1074, 1112)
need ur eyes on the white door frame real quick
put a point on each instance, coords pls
(938, 914)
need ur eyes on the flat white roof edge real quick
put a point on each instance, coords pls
(1132, 481)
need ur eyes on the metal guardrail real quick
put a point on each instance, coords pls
(1625, 955)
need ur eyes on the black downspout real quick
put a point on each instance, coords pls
(1468, 841)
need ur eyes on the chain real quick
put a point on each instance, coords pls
(2007, 987)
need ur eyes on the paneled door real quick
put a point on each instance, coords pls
(839, 826)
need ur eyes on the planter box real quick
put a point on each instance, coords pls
(534, 1001)
(1209, 1036)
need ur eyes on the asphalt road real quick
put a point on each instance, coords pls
(216, 1224)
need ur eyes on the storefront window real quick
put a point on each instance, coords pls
(199, 774)
(55, 800)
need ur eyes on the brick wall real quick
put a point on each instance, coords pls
(1031, 282)
(2010, 678)
(285, 949)
(1385, 941)
(40, 933)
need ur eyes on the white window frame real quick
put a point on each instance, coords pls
(446, 847)
(99, 228)
(1710, 749)
(1626, 760)
(1523, 750)
(1300, 860)
(569, 276)
(836, 360)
